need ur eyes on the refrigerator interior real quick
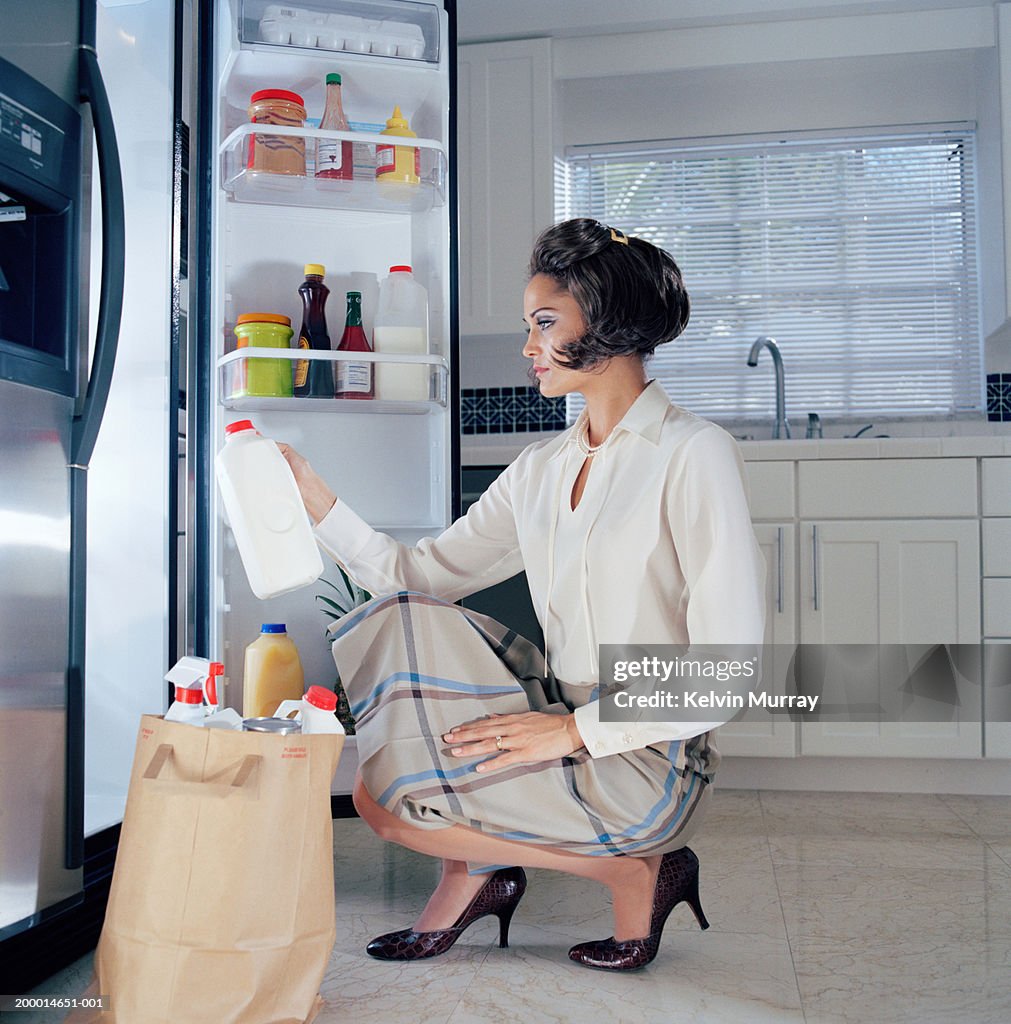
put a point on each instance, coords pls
(390, 461)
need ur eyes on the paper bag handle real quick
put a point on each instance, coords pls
(246, 770)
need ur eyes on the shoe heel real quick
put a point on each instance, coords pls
(691, 897)
(504, 917)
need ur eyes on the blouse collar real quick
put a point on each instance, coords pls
(644, 417)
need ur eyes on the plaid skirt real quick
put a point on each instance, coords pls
(414, 666)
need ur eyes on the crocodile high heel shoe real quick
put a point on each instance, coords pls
(677, 880)
(499, 896)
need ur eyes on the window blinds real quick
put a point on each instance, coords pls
(857, 255)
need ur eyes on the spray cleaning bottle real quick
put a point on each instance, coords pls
(196, 691)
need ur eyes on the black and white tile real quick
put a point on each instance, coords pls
(998, 397)
(507, 410)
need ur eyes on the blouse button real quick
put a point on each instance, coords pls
(598, 745)
(627, 738)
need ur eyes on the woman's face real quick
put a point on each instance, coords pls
(553, 317)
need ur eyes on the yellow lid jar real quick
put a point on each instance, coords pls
(259, 377)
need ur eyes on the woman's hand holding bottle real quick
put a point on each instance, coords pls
(316, 495)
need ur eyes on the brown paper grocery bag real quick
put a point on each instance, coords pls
(222, 901)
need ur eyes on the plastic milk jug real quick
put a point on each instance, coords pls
(266, 513)
(401, 328)
(315, 711)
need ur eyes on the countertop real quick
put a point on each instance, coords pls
(487, 451)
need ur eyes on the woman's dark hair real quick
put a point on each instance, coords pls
(629, 291)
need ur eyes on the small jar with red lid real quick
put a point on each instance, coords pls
(277, 154)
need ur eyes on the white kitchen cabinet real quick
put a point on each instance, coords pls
(996, 487)
(997, 547)
(771, 490)
(881, 488)
(996, 494)
(913, 582)
(997, 697)
(758, 733)
(506, 178)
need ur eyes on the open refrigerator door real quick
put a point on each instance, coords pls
(394, 460)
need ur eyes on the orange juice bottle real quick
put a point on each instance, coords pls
(272, 672)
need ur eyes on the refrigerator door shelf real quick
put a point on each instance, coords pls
(374, 406)
(247, 184)
(236, 381)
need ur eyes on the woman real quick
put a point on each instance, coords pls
(632, 526)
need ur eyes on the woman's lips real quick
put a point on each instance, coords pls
(540, 369)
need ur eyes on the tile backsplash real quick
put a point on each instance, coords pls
(509, 411)
(519, 410)
(998, 397)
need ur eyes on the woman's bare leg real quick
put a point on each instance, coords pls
(630, 879)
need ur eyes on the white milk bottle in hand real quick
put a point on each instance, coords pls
(266, 513)
(401, 329)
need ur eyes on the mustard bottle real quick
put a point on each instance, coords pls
(398, 163)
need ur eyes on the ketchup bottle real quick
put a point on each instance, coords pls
(354, 379)
(314, 377)
(334, 159)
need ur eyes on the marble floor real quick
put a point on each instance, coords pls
(825, 907)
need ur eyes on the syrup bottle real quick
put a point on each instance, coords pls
(314, 377)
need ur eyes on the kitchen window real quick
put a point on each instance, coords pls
(857, 254)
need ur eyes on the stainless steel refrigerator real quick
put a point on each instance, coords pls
(52, 399)
(114, 558)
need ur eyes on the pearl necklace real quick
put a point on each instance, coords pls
(583, 441)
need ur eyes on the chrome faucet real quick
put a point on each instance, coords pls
(782, 427)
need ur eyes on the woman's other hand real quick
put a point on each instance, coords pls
(526, 738)
(316, 496)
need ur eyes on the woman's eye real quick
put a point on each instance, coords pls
(544, 324)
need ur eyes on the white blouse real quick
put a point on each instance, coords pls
(659, 550)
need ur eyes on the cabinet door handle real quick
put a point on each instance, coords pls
(814, 562)
(779, 570)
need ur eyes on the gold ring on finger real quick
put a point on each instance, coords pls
(498, 742)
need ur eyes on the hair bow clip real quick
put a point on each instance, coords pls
(619, 236)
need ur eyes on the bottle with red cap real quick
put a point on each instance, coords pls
(317, 711)
(196, 691)
(276, 154)
(402, 329)
(265, 511)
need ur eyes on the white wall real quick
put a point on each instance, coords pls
(879, 69)
(835, 94)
